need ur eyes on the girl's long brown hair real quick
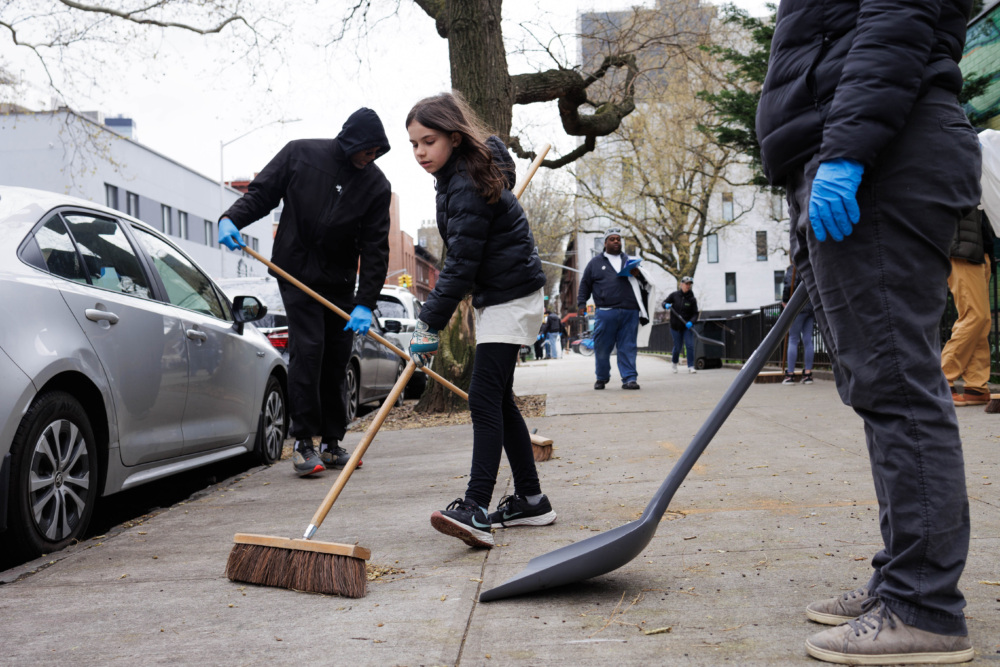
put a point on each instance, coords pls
(447, 113)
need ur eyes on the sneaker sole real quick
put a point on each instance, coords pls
(826, 619)
(468, 534)
(939, 658)
(305, 473)
(540, 520)
(334, 466)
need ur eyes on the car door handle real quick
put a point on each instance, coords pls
(194, 334)
(95, 315)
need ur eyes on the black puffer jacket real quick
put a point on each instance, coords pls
(489, 247)
(334, 213)
(878, 60)
(970, 237)
(683, 308)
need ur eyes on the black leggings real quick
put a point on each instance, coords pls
(496, 424)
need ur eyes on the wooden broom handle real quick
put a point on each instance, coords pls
(352, 463)
(326, 302)
(519, 190)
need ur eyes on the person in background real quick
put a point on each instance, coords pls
(802, 328)
(966, 355)
(551, 328)
(619, 290)
(859, 120)
(683, 308)
(336, 213)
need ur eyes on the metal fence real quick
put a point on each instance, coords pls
(743, 333)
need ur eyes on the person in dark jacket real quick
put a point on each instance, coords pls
(966, 355)
(336, 210)
(683, 308)
(552, 329)
(616, 290)
(491, 253)
(859, 120)
(802, 329)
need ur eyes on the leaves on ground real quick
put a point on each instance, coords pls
(405, 417)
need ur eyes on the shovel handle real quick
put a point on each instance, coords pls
(359, 451)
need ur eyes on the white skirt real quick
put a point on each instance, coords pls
(516, 322)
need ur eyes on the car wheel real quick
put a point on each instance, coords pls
(399, 374)
(54, 475)
(272, 428)
(352, 391)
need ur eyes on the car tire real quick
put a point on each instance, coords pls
(272, 427)
(352, 391)
(54, 476)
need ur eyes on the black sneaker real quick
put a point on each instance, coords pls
(807, 378)
(335, 456)
(789, 378)
(466, 521)
(517, 511)
(600, 384)
(631, 384)
(304, 460)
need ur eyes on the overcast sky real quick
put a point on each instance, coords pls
(184, 108)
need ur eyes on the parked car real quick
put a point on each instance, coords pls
(373, 368)
(398, 304)
(123, 362)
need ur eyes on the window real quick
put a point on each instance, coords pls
(111, 196)
(166, 223)
(730, 288)
(712, 248)
(186, 286)
(210, 233)
(779, 284)
(761, 246)
(254, 244)
(246, 239)
(727, 206)
(132, 204)
(108, 257)
(59, 252)
(182, 224)
(777, 206)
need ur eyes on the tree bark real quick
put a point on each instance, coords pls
(456, 354)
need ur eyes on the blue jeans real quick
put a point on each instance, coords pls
(683, 337)
(802, 326)
(616, 326)
(553, 339)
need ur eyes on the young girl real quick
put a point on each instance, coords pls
(491, 253)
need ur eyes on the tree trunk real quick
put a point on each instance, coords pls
(453, 361)
(479, 61)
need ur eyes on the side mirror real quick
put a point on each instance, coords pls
(247, 309)
(392, 326)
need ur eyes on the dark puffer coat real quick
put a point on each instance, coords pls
(489, 247)
(334, 213)
(879, 56)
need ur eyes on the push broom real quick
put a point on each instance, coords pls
(304, 564)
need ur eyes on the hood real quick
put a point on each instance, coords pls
(363, 130)
(502, 158)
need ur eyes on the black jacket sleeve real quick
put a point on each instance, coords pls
(264, 192)
(468, 228)
(373, 242)
(586, 286)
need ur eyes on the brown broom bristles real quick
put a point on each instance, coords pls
(993, 406)
(329, 574)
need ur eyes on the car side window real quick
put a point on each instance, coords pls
(109, 261)
(187, 287)
(58, 250)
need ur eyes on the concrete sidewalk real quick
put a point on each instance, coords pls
(779, 511)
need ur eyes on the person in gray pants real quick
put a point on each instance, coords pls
(859, 119)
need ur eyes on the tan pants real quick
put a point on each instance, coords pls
(967, 353)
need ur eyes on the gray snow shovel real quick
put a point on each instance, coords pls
(609, 551)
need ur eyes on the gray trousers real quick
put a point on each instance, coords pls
(878, 297)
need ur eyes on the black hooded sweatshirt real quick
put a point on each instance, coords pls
(490, 249)
(334, 213)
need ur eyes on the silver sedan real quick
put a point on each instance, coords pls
(122, 363)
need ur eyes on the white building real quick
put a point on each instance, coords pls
(76, 154)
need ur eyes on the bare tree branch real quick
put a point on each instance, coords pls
(135, 16)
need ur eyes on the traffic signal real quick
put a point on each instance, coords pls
(402, 280)
(406, 280)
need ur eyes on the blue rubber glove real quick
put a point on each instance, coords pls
(689, 324)
(423, 344)
(833, 204)
(229, 236)
(361, 320)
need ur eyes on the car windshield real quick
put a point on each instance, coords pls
(390, 307)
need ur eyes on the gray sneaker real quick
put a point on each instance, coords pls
(879, 637)
(834, 611)
(304, 460)
(335, 456)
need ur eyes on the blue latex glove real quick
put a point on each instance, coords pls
(229, 236)
(689, 324)
(833, 204)
(666, 305)
(423, 344)
(361, 320)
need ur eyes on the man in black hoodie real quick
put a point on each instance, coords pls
(859, 120)
(336, 210)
